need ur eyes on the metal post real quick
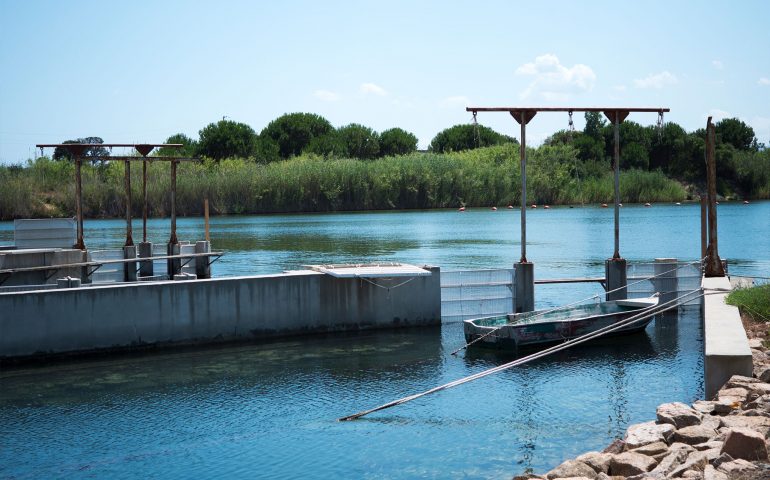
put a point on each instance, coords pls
(79, 203)
(703, 226)
(714, 266)
(129, 228)
(616, 121)
(173, 240)
(206, 219)
(523, 159)
(144, 200)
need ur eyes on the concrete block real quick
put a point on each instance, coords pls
(129, 268)
(202, 267)
(173, 266)
(145, 251)
(617, 278)
(524, 287)
(726, 347)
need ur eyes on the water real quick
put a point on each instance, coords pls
(269, 410)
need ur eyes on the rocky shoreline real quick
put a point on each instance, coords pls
(719, 439)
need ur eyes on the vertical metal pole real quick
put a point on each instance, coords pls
(616, 255)
(523, 159)
(129, 228)
(713, 263)
(703, 226)
(206, 218)
(79, 203)
(173, 239)
(144, 200)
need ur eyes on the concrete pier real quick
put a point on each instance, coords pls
(524, 286)
(145, 251)
(125, 316)
(174, 265)
(129, 268)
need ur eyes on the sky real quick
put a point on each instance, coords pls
(141, 71)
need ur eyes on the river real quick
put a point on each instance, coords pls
(269, 410)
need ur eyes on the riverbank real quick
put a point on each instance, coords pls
(483, 177)
(722, 438)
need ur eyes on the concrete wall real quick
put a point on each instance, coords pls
(206, 311)
(38, 258)
(726, 347)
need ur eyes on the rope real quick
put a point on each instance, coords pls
(385, 287)
(544, 312)
(521, 361)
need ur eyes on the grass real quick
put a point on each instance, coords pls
(754, 302)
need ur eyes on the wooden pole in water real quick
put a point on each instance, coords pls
(713, 262)
(206, 218)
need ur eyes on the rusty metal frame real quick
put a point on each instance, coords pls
(523, 115)
(77, 150)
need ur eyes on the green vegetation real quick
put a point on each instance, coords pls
(312, 183)
(754, 302)
(300, 162)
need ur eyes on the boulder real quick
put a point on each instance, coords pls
(746, 444)
(617, 446)
(694, 462)
(708, 445)
(755, 343)
(694, 434)
(600, 462)
(763, 373)
(758, 389)
(736, 467)
(732, 395)
(642, 434)
(671, 462)
(571, 468)
(759, 424)
(711, 421)
(692, 474)
(678, 414)
(705, 407)
(630, 463)
(652, 449)
(739, 381)
(758, 356)
(711, 473)
(763, 402)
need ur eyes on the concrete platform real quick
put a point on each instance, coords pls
(726, 347)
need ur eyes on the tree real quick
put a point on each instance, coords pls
(328, 145)
(188, 150)
(359, 141)
(594, 125)
(466, 137)
(396, 141)
(736, 133)
(227, 138)
(93, 153)
(293, 132)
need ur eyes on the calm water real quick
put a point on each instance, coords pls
(269, 410)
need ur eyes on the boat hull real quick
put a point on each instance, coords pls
(510, 335)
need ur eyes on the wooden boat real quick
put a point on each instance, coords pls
(533, 329)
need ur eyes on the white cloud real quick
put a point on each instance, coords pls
(373, 88)
(656, 80)
(619, 88)
(761, 127)
(455, 101)
(764, 81)
(717, 64)
(326, 95)
(553, 81)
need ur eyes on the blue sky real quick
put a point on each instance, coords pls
(140, 71)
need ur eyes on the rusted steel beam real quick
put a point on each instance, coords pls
(85, 146)
(566, 109)
(714, 267)
(523, 117)
(132, 158)
(617, 117)
(79, 243)
(129, 228)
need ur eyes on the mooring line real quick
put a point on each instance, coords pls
(560, 307)
(674, 303)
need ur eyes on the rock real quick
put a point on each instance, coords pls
(739, 381)
(642, 434)
(696, 462)
(723, 407)
(736, 467)
(758, 356)
(732, 395)
(711, 473)
(692, 474)
(763, 401)
(755, 412)
(759, 424)
(755, 343)
(571, 468)
(711, 421)
(671, 462)
(652, 449)
(759, 389)
(527, 476)
(746, 444)
(703, 406)
(574, 478)
(694, 434)
(708, 445)
(722, 459)
(630, 463)
(617, 446)
(764, 374)
(600, 462)
(604, 476)
(678, 414)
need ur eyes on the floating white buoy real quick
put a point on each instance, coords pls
(604, 205)
(678, 203)
(461, 209)
(647, 205)
(534, 205)
(745, 202)
(546, 207)
(494, 209)
(510, 207)
(620, 204)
